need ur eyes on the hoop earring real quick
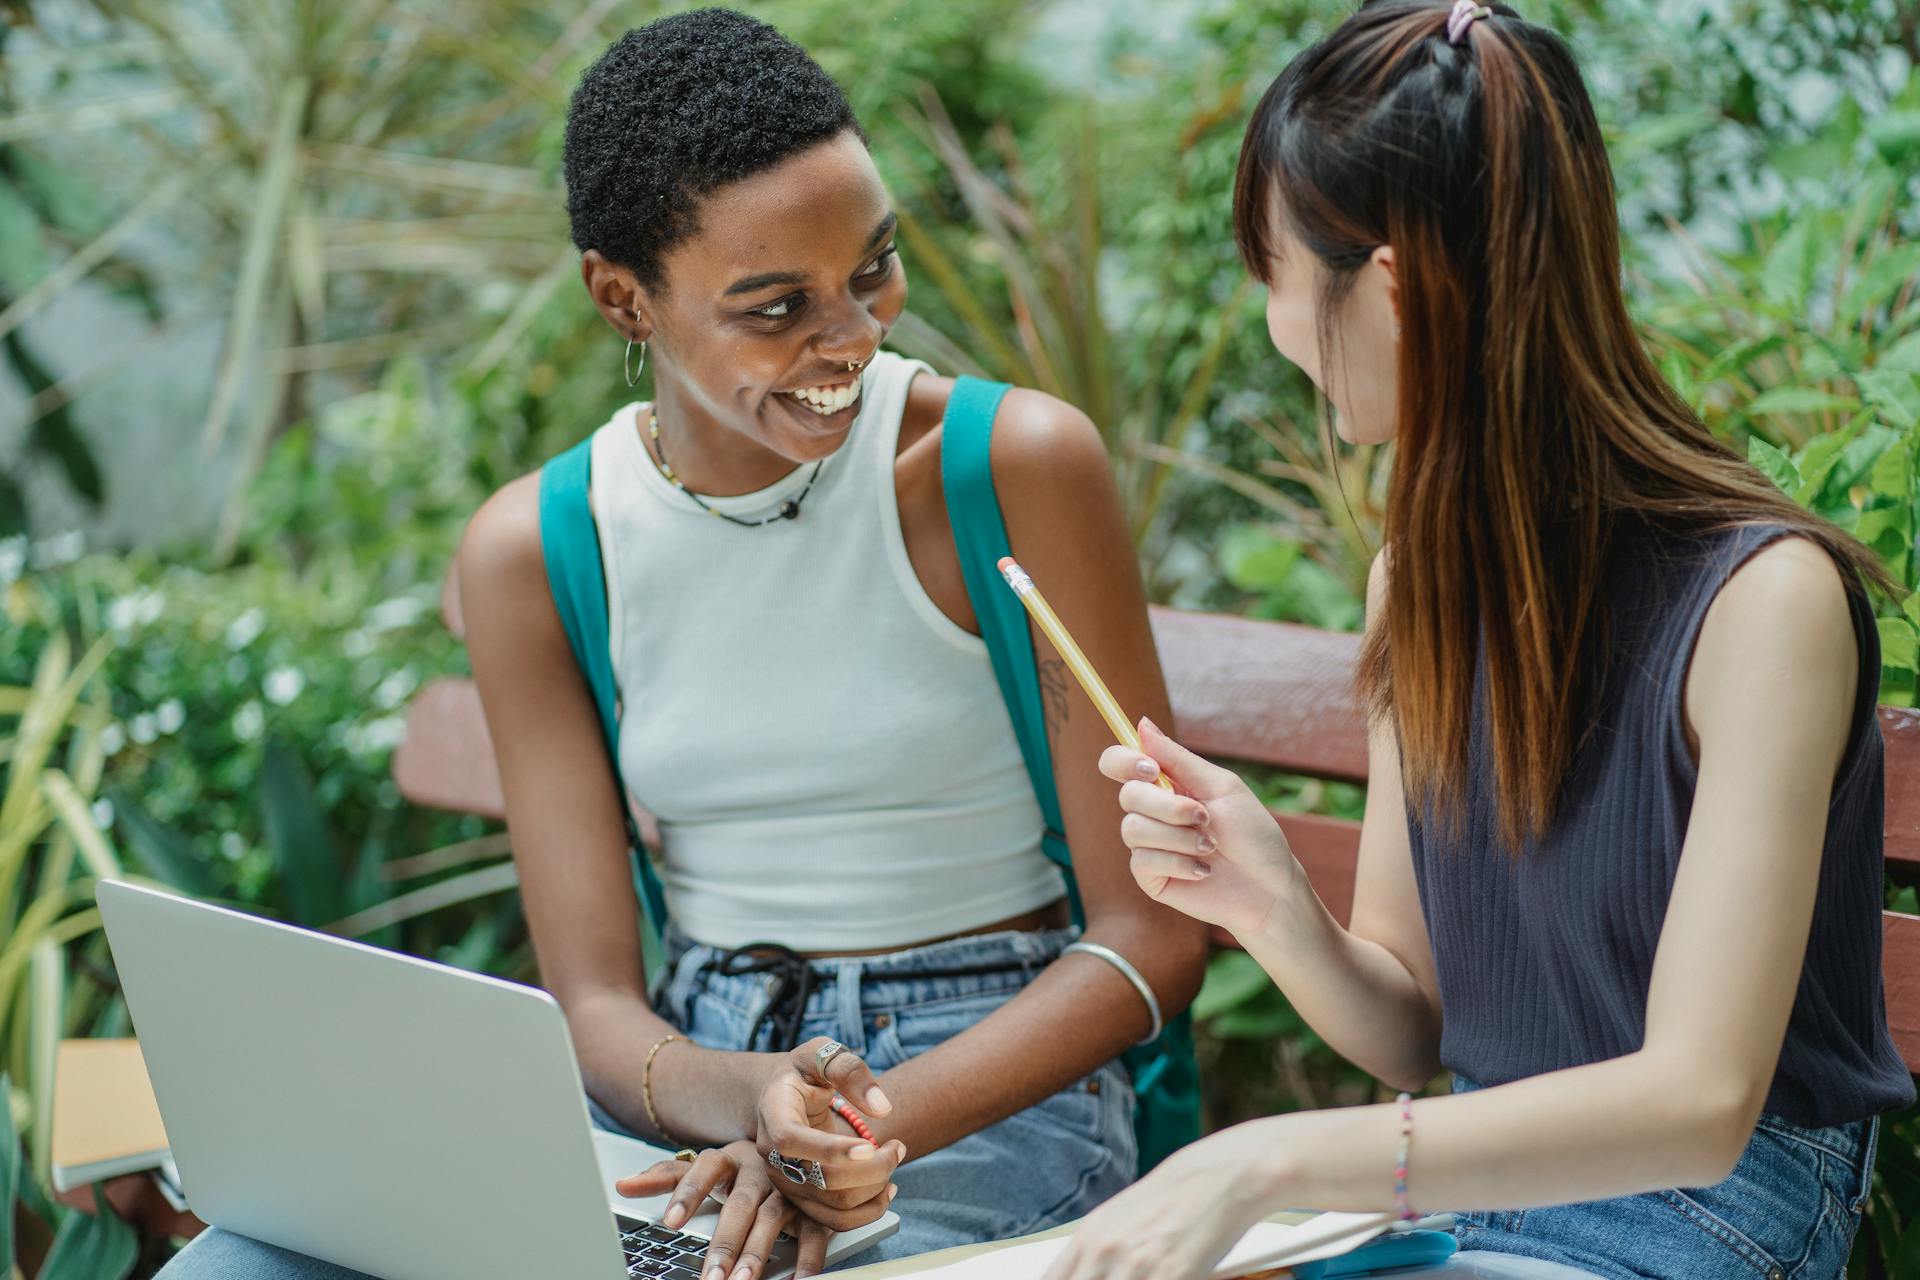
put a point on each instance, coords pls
(627, 359)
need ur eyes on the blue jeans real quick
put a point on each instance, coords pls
(1049, 1164)
(1788, 1212)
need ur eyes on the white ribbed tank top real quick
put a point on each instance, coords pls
(827, 753)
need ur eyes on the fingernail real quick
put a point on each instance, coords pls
(862, 1151)
(1147, 769)
(744, 1272)
(1151, 725)
(878, 1102)
(1202, 869)
(1205, 818)
(675, 1215)
(1205, 843)
(716, 1272)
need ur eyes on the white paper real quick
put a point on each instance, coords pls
(1265, 1246)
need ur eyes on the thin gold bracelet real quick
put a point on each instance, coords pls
(646, 1086)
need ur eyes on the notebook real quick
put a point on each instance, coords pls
(1266, 1247)
(105, 1119)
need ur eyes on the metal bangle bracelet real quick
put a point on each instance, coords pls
(1128, 972)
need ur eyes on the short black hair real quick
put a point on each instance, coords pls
(675, 109)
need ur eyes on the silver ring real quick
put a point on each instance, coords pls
(826, 1054)
(799, 1172)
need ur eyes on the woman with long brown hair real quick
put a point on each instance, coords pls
(1621, 865)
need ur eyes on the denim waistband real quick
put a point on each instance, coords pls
(896, 980)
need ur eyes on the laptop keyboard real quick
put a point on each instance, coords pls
(655, 1252)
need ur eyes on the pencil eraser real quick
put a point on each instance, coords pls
(1004, 562)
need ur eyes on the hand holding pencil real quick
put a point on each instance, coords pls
(1207, 847)
(1049, 622)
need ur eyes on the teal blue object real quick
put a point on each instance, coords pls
(1166, 1080)
(1389, 1252)
(570, 545)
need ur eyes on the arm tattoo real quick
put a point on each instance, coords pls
(1052, 673)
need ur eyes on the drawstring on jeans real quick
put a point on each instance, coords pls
(795, 981)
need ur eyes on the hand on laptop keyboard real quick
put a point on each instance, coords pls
(661, 1253)
(748, 1234)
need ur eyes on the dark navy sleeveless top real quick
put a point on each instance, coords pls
(1545, 959)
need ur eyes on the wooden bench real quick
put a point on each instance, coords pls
(1263, 693)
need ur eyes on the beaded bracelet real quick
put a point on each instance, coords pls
(854, 1119)
(646, 1085)
(1400, 1203)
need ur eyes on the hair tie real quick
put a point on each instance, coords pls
(1464, 12)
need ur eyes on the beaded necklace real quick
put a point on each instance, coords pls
(789, 510)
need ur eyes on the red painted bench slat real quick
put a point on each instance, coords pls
(1900, 729)
(1264, 692)
(1900, 963)
(446, 761)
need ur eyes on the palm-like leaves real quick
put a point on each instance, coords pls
(349, 180)
(1047, 328)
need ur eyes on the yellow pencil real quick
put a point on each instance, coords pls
(1077, 663)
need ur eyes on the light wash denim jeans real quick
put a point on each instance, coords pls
(1047, 1165)
(1788, 1212)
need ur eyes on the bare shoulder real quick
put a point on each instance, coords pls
(1056, 487)
(1787, 604)
(1040, 442)
(1040, 439)
(1065, 517)
(500, 550)
(1776, 658)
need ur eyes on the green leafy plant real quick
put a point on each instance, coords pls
(86, 1246)
(51, 853)
(1257, 1055)
(349, 181)
(1284, 582)
(1044, 325)
(1863, 477)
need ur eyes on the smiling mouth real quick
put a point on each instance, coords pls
(829, 399)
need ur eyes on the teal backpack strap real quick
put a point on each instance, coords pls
(966, 474)
(1166, 1080)
(570, 544)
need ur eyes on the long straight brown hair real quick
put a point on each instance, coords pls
(1533, 431)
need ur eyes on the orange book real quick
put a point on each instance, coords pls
(105, 1119)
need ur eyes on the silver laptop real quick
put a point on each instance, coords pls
(383, 1112)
